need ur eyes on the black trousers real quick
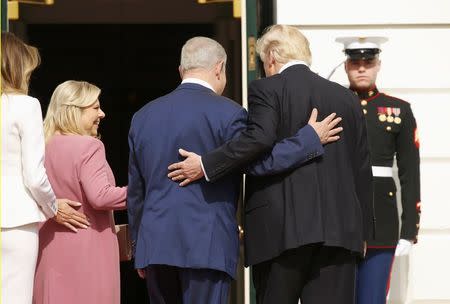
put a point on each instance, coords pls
(313, 273)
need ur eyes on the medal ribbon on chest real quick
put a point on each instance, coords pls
(382, 114)
(397, 118)
(389, 118)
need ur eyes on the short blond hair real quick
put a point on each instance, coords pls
(201, 53)
(19, 60)
(66, 106)
(285, 42)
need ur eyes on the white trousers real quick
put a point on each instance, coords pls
(19, 256)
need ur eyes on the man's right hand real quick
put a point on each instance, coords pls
(188, 170)
(69, 217)
(325, 129)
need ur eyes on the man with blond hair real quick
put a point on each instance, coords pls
(304, 228)
(187, 238)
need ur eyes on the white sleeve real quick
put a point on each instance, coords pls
(33, 149)
(203, 169)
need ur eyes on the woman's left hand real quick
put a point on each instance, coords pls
(69, 217)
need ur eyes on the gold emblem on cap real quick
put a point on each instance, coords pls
(390, 118)
(391, 193)
(388, 128)
(382, 117)
(364, 111)
(370, 93)
(364, 102)
(397, 120)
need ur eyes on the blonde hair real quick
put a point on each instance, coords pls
(19, 60)
(66, 106)
(201, 53)
(285, 42)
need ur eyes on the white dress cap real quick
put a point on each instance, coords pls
(351, 43)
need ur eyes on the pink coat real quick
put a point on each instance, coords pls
(80, 267)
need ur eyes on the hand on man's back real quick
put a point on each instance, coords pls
(325, 129)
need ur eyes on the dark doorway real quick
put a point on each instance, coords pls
(132, 64)
(130, 49)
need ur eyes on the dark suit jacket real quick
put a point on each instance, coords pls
(327, 200)
(193, 226)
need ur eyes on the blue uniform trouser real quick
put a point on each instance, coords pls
(174, 285)
(373, 277)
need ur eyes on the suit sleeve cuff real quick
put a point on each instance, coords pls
(315, 139)
(203, 169)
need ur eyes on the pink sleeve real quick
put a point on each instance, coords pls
(100, 192)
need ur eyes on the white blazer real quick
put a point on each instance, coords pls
(26, 193)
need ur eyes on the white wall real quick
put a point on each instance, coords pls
(415, 67)
(345, 12)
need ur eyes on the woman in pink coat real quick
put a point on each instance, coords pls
(79, 267)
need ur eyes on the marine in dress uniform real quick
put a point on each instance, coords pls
(392, 132)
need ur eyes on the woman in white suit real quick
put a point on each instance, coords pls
(26, 197)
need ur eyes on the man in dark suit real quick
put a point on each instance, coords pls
(302, 227)
(187, 238)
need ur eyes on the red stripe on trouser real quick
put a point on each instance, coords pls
(388, 285)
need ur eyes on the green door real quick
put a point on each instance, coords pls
(258, 15)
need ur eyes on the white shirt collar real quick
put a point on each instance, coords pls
(198, 81)
(291, 63)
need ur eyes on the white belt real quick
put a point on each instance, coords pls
(382, 171)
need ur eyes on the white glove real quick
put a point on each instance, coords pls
(403, 247)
